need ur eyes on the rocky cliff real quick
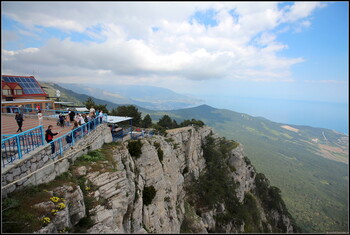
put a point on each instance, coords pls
(188, 181)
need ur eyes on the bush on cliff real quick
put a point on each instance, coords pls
(134, 148)
(148, 194)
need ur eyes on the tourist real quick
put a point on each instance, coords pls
(49, 137)
(85, 117)
(71, 115)
(81, 119)
(61, 119)
(75, 126)
(67, 120)
(100, 115)
(92, 111)
(40, 117)
(19, 119)
(21, 109)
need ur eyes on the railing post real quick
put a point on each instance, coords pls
(19, 150)
(42, 135)
(61, 148)
(73, 141)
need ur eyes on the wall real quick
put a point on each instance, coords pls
(40, 168)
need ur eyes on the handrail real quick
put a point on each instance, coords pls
(14, 147)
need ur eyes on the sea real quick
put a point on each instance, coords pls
(334, 116)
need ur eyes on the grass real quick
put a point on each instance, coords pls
(18, 213)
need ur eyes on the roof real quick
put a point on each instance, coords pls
(13, 85)
(116, 119)
(29, 85)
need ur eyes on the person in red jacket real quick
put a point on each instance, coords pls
(49, 137)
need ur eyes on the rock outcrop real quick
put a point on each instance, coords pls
(167, 164)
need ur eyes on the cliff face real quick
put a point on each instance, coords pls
(153, 193)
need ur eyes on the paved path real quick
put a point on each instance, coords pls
(9, 125)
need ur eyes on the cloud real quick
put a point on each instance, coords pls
(240, 45)
(300, 10)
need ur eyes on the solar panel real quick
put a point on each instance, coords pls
(29, 84)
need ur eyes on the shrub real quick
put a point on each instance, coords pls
(148, 194)
(92, 156)
(134, 148)
(192, 122)
(160, 154)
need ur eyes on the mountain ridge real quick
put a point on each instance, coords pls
(150, 97)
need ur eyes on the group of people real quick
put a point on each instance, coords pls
(71, 118)
(78, 119)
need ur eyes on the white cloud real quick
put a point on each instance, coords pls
(300, 10)
(127, 47)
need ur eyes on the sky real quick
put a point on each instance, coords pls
(272, 50)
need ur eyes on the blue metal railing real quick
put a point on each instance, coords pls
(16, 146)
(63, 143)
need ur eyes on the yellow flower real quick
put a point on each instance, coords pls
(54, 211)
(61, 206)
(87, 188)
(46, 220)
(55, 199)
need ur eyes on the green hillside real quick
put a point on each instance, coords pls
(309, 165)
(314, 187)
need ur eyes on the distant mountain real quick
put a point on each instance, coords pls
(71, 96)
(309, 165)
(149, 97)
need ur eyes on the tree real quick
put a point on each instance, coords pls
(90, 103)
(147, 121)
(129, 111)
(166, 122)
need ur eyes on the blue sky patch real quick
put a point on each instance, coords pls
(206, 18)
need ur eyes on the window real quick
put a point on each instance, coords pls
(6, 92)
(18, 92)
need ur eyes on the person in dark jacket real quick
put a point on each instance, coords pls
(19, 119)
(71, 116)
(49, 137)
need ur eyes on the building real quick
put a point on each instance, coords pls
(23, 91)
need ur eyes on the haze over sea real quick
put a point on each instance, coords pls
(328, 115)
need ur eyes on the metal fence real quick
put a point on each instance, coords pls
(15, 146)
(63, 143)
